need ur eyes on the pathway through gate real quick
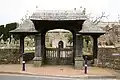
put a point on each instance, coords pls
(59, 56)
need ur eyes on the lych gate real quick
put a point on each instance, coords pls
(43, 21)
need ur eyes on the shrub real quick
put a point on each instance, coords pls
(28, 56)
(89, 57)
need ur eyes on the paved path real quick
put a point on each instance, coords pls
(59, 71)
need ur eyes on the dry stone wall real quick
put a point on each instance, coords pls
(9, 56)
(109, 58)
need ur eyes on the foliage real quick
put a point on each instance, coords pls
(89, 57)
(5, 31)
(70, 37)
(87, 39)
(31, 36)
(28, 56)
(112, 35)
(1, 29)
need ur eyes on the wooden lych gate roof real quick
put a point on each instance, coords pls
(56, 16)
(90, 28)
(27, 27)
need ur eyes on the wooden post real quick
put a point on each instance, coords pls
(43, 53)
(74, 46)
(95, 49)
(21, 47)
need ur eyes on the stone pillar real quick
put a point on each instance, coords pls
(38, 51)
(78, 52)
(21, 47)
(95, 50)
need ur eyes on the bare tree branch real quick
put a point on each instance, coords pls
(98, 19)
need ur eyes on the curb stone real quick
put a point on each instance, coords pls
(63, 76)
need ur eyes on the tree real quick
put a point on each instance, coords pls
(87, 39)
(98, 19)
(5, 31)
(1, 31)
(70, 38)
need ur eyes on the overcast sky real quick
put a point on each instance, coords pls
(14, 10)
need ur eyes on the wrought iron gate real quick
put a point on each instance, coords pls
(61, 56)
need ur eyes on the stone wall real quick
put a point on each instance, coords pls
(9, 56)
(109, 57)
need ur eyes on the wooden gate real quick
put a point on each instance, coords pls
(59, 56)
